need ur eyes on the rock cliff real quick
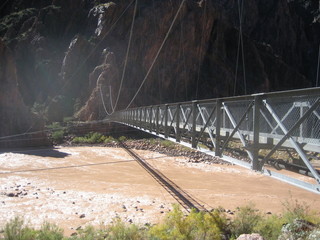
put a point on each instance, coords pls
(75, 51)
(15, 117)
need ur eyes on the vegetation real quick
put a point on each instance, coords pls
(196, 225)
(91, 138)
(95, 137)
(57, 132)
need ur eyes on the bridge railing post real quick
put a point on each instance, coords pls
(150, 119)
(194, 124)
(178, 135)
(166, 128)
(218, 128)
(130, 117)
(145, 119)
(134, 117)
(157, 120)
(140, 117)
(256, 132)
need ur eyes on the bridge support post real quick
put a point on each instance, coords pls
(150, 116)
(166, 129)
(157, 120)
(178, 135)
(145, 119)
(218, 152)
(140, 117)
(129, 115)
(194, 124)
(256, 129)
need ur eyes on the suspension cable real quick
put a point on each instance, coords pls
(317, 79)
(126, 59)
(240, 43)
(243, 61)
(104, 36)
(201, 45)
(157, 55)
(104, 106)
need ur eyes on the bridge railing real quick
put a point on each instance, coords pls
(281, 128)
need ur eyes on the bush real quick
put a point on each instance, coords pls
(245, 221)
(197, 225)
(50, 231)
(89, 233)
(293, 209)
(57, 136)
(167, 144)
(122, 139)
(95, 137)
(91, 138)
(15, 230)
(109, 139)
(119, 230)
(270, 227)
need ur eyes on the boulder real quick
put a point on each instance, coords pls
(253, 236)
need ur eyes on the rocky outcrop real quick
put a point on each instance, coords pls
(253, 236)
(103, 79)
(299, 229)
(15, 117)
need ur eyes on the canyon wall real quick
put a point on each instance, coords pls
(71, 54)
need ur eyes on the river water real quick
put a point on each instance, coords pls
(78, 186)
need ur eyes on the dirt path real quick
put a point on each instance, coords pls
(76, 186)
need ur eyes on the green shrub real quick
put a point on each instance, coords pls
(57, 136)
(79, 140)
(293, 209)
(15, 230)
(245, 221)
(167, 144)
(120, 230)
(91, 138)
(49, 231)
(122, 139)
(109, 139)
(197, 225)
(89, 233)
(94, 137)
(270, 227)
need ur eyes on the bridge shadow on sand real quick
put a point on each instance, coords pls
(40, 152)
(183, 198)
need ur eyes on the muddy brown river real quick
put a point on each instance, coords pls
(79, 186)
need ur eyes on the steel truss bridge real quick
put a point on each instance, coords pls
(265, 132)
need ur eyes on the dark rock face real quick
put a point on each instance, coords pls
(15, 117)
(75, 51)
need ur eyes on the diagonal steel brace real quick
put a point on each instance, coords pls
(293, 142)
(236, 128)
(206, 124)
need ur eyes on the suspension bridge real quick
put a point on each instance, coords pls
(273, 131)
